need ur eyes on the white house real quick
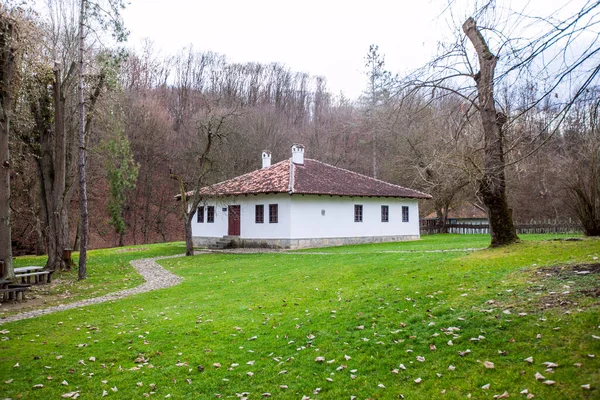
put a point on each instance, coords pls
(301, 202)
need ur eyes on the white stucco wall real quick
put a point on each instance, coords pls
(338, 221)
(300, 217)
(248, 227)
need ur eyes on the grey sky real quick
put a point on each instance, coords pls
(322, 37)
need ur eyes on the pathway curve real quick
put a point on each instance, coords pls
(156, 277)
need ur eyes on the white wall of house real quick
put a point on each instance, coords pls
(328, 217)
(248, 226)
(311, 216)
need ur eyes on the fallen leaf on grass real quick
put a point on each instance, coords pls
(418, 380)
(504, 395)
(70, 395)
(381, 385)
(451, 367)
(320, 359)
(38, 386)
(529, 360)
(549, 382)
(586, 386)
(550, 364)
(539, 376)
(486, 386)
(489, 365)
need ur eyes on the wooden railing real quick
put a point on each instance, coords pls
(522, 228)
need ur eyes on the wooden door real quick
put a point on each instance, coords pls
(234, 221)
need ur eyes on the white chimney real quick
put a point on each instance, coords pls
(298, 154)
(266, 158)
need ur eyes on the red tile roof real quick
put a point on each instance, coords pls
(312, 177)
(463, 211)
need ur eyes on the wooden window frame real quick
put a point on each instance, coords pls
(200, 215)
(210, 214)
(385, 213)
(405, 214)
(273, 213)
(358, 213)
(259, 216)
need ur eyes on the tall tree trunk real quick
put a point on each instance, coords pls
(7, 75)
(83, 206)
(189, 243)
(492, 185)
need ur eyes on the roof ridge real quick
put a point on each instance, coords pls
(369, 177)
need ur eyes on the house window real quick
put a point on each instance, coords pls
(210, 214)
(385, 213)
(404, 213)
(200, 215)
(358, 213)
(259, 213)
(273, 213)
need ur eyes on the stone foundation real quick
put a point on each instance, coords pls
(305, 243)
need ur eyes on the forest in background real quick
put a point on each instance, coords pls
(199, 118)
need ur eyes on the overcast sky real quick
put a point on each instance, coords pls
(322, 37)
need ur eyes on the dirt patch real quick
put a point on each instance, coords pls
(566, 286)
(570, 270)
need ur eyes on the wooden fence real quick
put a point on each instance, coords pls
(548, 226)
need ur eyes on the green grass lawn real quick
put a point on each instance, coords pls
(372, 321)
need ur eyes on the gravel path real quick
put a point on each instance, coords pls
(156, 277)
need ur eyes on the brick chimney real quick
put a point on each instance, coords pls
(298, 154)
(266, 158)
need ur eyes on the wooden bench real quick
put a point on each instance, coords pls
(39, 276)
(13, 292)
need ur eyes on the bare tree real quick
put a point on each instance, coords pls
(492, 185)
(9, 55)
(83, 201)
(582, 158)
(212, 127)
